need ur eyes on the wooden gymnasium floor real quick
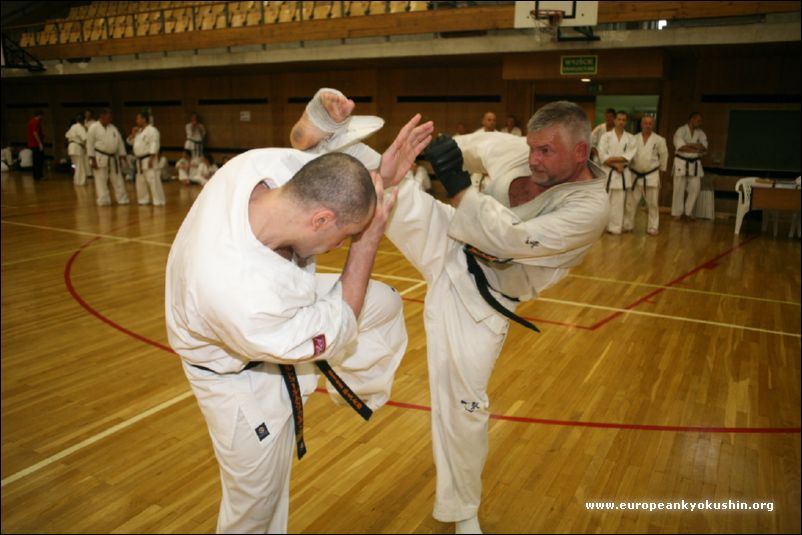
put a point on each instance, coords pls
(668, 369)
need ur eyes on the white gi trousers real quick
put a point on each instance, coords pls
(109, 169)
(680, 204)
(79, 162)
(461, 351)
(652, 203)
(255, 475)
(617, 199)
(148, 183)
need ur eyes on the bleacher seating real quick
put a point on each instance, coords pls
(117, 20)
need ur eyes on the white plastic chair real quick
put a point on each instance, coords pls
(744, 189)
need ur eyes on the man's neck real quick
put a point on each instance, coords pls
(646, 135)
(619, 133)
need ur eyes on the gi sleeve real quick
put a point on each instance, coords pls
(90, 143)
(679, 139)
(120, 144)
(604, 148)
(279, 327)
(486, 224)
(369, 157)
(662, 152)
(154, 142)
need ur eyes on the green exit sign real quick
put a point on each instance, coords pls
(578, 64)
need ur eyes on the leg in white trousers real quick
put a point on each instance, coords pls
(616, 221)
(680, 204)
(255, 475)
(102, 177)
(633, 200)
(79, 162)
(149, 185)
(461, 354)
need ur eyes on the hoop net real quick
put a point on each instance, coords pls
(547, 21)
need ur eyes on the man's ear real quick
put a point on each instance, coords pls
(322, 219)
(581, 152)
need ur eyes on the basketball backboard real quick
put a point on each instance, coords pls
(575, 13)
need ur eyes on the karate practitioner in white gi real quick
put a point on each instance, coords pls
(690, 144)
(543, 207)
(616, 149)
(650, 158)
(145, 139)
(599, 131)
(106, 151)
(243, 302)
(76, 149)
(195, 134)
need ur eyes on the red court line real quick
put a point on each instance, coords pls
(707, 264)
(412, 406)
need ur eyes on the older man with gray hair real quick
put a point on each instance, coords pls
(538, 213)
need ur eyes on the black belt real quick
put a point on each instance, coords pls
(296, 400)
(610, 177)
(688, 164)
(139, 162)
(639, 176)
(112, 157)
(484, 290)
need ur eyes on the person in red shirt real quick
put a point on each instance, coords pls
(36, 142)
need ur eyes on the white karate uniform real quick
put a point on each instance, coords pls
(90, 173)
(617, 183)
(687, 175)
(76, 150)
(544, 237)
(183, 167)
(649, 156)
(515, 131)
(230, 300)
(595, 137)
(105, 145)
(194, 140)
(146, 145)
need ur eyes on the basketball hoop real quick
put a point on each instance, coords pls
(547, 21)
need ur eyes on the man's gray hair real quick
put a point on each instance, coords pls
(338, 182)
(566, 114)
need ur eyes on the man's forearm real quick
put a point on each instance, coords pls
(356, 274)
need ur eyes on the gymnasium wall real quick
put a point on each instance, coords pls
(712, 80)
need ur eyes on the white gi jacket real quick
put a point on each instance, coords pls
(682, 137)
(609, 146)
(230, 300)
(544, 238)
(649, 156)
(195, 135)
(146, 143)
(76, 136)
(102, 141)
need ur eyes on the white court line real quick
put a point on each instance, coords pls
(668, 317)
(408, 279)
(91, 440)
(680, 289)
(92, 234)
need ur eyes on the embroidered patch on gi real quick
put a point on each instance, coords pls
(262, 432)
(470, 406)
(319, 342)
(532, 242)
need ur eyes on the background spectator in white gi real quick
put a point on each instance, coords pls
(601, 129)
(488, 122)
(616, 149)
(511, 126)
(76, 149)
(145, 139)
(690, 144)
(106, 151)
(196, 132)
(650, 158)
